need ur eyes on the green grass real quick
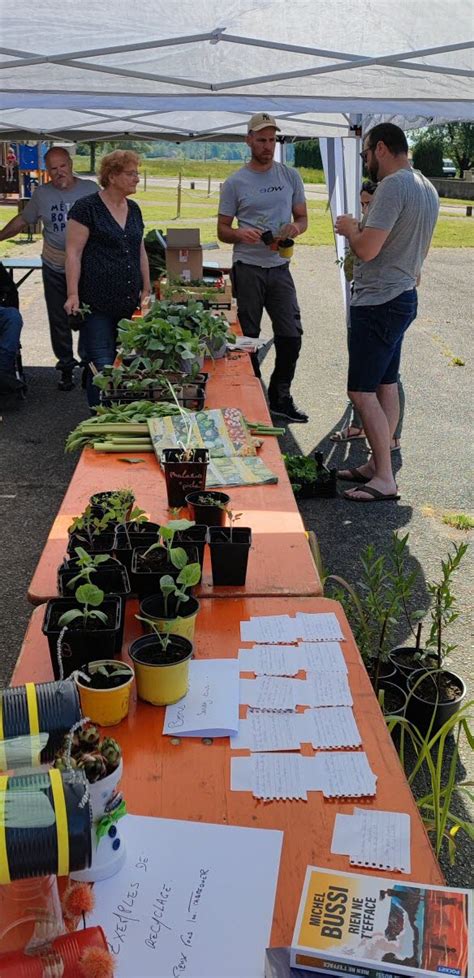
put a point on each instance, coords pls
(196, 169)
(460, 521)
(159, 207)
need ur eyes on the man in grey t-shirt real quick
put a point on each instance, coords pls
(50, 203)
(390, 249)
(269, 197)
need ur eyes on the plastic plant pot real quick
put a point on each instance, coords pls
(57, 708)
(216, 349)
(111, 577)
(192, 540)
(285, 248)
(183, 475)
(211, 514)
(423, 708)
(65, 953)
(395, 700)
(405, 663)
(267, 237)
(108, 849)
(132, 535)
(146, 577)
(183, 623)
(80, 644)
(107, 706)
(100, 544)
(229, 556)
(100, 499)
(162, 677)
(53, 846)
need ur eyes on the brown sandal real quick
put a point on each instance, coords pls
(340, 436)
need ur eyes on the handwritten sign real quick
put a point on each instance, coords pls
(211, 705)
(192, 899)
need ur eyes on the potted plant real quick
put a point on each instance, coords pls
(104, 689)
(100, 569)
(161, 663)
(435, 693)
(100, 759)
(208, 507)
(79, 629)
(375, 607)
(118, 502)
(92, 531)
(174, 610)
(132, 535)
(160, 558)
(229, 548)
(309, 477)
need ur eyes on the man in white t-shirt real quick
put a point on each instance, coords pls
(50, 203)
(269, 197)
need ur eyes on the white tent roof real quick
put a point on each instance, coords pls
(200, 67)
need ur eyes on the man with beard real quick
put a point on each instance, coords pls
(50, 203)
(269, 197)
(390, 249)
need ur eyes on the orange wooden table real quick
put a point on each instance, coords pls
(280, 561)
(187, 779)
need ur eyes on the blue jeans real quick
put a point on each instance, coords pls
(375, 341)
(99, 338)
(10, 329)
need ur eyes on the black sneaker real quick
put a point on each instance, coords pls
(66, 383)
(10, 384)
(286, 408)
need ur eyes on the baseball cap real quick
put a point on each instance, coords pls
(261, 121)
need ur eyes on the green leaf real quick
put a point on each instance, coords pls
(178, 557)
(98, 614)
(70, 616)
(90, 594)
(190, 575)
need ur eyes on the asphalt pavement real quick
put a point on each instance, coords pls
(434, 469)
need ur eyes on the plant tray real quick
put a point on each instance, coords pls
(221, 299)
(191, 396)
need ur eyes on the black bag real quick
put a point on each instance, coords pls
(8, 290)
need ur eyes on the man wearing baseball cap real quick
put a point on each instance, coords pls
(265, 196)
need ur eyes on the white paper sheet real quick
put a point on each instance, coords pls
(374, 839)
(332, 726)
(322, 627)
(270, 660)
(314, 656)
(211, 705)
(268, 732)
(268, 693)
(323, 689)
(172, 908)
(341, 774)
(269, 629)
(337, 775)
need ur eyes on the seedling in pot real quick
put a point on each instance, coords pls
(188, 577)
(88, 564)
(105, 675)
(163, 637)
(177, 556)
(91, 597)
(233, 517)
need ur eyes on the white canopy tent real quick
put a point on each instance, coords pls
(197, 69)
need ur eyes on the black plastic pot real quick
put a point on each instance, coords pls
(79, 644)
(190, 396)
(229, 558)
(395, 700)
(183, 476)
(101, 544)
(207, 513)
(58, 709)
(133, 535)
(99, 500)
(111, 577)
(421, 707)
(34, 851)
(387, 674)
(191, 540)
(146, 581)
(404, 669)
(267, 237)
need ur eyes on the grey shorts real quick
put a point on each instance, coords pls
(272, 289)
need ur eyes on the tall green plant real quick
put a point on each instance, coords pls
(443, 609)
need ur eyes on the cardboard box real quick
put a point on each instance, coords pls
(183, 254)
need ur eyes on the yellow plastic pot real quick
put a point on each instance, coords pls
(285, 248)
(106, 707)
(160, 683)
(184, 625)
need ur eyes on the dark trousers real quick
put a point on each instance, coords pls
(272, 289)
(55, 294)
(99, 336)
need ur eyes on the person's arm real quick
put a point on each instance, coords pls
(145, 273)
(365, 243)
(299, 223)
(76, 240)
(230, 235)
(13, 227)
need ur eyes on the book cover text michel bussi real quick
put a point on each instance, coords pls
(354, 924)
